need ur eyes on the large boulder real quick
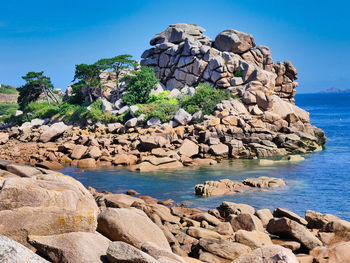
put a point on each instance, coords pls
(318, 220)
(224, 249)
(45, 204)
(132, 226)
(252, 239)
(337, 253)
(247, 222)
(285, 227)
(269, 254)
(13, 252)
(234, 41)
(54, 131)
(188, 148)
(72, 247)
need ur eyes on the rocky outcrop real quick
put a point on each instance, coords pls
(226, 186)
(182, 55)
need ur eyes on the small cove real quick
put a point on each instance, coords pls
(320, 183)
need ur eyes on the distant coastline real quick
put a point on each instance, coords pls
(335, 90)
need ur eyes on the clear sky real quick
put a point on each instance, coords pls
(55, 35)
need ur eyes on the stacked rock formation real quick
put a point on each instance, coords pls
(183, 55)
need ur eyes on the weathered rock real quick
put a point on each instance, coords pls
(227, 208)
(224, 228)
(159, 253)
(54, 131)
(198, 233)
(264, 181)
(119, 200)
(290, 244)
(264, 215)
(280, 212)
(78, 152)
(337, 253)
(252, 239)
(285, 227)
(337, 226)
(247, 222)
(269, 254)
(234, 41)
(223, 248)
(45, 204)
(11, 251)
(125, 159)
(130, 225)
(72, 247)
(182, 117)
(123, 252)
(206, 217)
(87, 163)
(4, 137)
(219, 149)
(22, 170)
(50, 165)
(188, 148)
(318, 220)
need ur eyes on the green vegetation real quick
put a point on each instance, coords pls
(139, 86)
(158, 106)
(116, 64)
(7, 109)
(205, 98)
(36, 84)
(238, 72)
(7, 89)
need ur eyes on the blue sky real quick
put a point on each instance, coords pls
(55, 35)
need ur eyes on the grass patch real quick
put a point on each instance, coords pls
(7, 89)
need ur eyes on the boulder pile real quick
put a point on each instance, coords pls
(182, 55)
(49, 216)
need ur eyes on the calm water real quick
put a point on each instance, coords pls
(321, 182)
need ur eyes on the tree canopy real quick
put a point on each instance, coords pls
(36, 84)
(139, 86)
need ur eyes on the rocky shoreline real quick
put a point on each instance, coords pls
(46, 216)
(153, 148)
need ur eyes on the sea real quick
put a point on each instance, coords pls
(320, 183)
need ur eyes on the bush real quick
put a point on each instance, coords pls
(139, 86)
(165, 110)
(205, 98)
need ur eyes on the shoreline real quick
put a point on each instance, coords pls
(230, 233)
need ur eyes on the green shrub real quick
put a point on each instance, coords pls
(205, 98)
(139, 86)
(165, 110)
(238, 72)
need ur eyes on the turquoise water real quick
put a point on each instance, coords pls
(321, 182)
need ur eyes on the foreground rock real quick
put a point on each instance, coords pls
(72, 247)
(132, 226)
(339, 253)
(226, 186)
(44, 204)
(11, 251)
